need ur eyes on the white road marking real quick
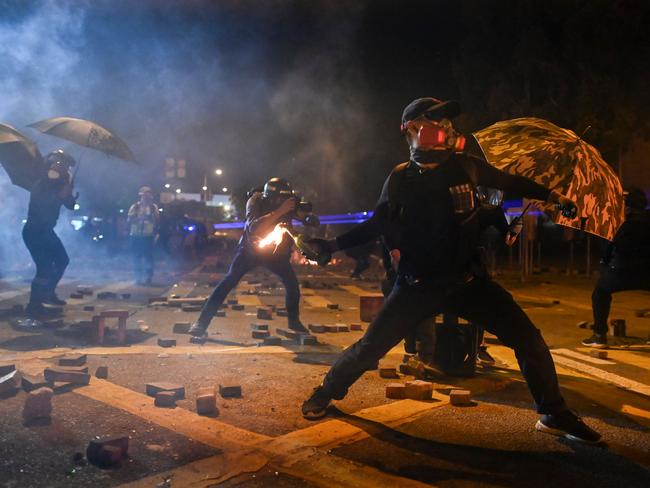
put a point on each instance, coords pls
(582, 357)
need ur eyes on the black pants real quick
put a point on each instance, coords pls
(142, 248)
(50, 259)
(612, 281)
(244, 262)
(480, 301)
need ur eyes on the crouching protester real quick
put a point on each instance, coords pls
(426, 216)
(265, 209)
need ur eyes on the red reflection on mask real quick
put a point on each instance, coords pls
(431, 136)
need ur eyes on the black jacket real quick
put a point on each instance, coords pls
(45, 203)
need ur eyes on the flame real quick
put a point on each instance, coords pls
(274, 237)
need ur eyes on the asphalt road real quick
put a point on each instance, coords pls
(261, 439)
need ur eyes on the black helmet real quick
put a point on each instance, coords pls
(432, 106)
(635, 198)
(59, 157)
(277, 187)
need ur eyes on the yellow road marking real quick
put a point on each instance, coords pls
(355, 290)
(249, 300)
(581, 356)
(637, 412)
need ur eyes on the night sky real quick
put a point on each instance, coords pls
(313, 90)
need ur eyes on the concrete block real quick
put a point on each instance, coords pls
(230, 391)
(181, 327)
(89, 308)
(31, 383)
(307, 340)
(237, 306)
(260, 334)
(166, 342)
(220, 313)
(418, 390)
(264, 314)
(333, 306)
(460, 397)
(272, 341)
(61, 375)
(101, 372)
(388, 373)
(342, 328)
(108, 451)
(317, 328)
(73, 360)
(188, 307)
(598, 353)
(282, 313)
(289, 334)
(38, 405)
(331, 328)
(74, 369)
(255, 326)
(356, 327)
(165, 399)
(206, 403)
(106, 295)
(396, 391)
(152, 389)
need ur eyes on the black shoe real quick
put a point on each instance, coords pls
(484, 357)
(197, 330)
(55, 300)
(298, 327)
(567, 424)
(315, 407)
(596, 340)
(37, 310)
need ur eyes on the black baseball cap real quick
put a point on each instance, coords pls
(447, 109)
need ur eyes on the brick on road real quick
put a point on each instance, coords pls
(273, 341)
(356, 327)
(255, 326)
(264, 313)
(220, 313)
(153, 388)
(102, 372)
(260, 334)
(165, 399)
(307, 340)
(62, 375)
(333, 306)
(166, 342)
(396, 391)
(230, 391)
(460, 397)
(598, 353)
(38, 405)
(73, 360)
(388, 373)
(238, 307)
(181, 327)
(317, 328)
(342, 328)
(9, 383)
(206, 401)
(418, 390)
(6, 368)
(31, 383)
(108, 451)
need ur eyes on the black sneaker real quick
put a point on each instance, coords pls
(596, 340)
(567, 424)
(315, 407)
(55, 300)
(37, 310)
(298, 327)
(197, 330)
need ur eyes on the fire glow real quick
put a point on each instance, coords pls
(274, 237)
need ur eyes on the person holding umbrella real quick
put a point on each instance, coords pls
(143, 221)
(426, 217)
(50, 257)
(627, 262)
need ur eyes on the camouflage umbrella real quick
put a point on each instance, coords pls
(85, 133)
(559, 160)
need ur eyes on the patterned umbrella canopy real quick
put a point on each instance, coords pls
(85, 133)
(20, 157)
(558, 159)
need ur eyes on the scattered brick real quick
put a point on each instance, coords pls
(317, 328)
(460, 397)
(238, 307)
(74, 369)
(206, 402)
(165, 399)
(272, 341)
(101, 372)
(418, 390)
(61, 375)
(598, 353)
(53, 323)
(153, 300)
(166, 342)
(396, 391)
(331, 328)
(232, 301)
(154, 388)
(7, 368)
(264, 314)
(108, 451)
(356, 327)
(260, 334)
(89, 308)
(333, 306)
(77, 296)
(38, 405)
(307, 340)
(181, 327)
(282, 313)
(9, 383)
(289, 334)
(255, 326)
(31, 383)
(388, 373)
(106, 295)
(342, 328)
(188, 307)
(73, 360)
(230, 391)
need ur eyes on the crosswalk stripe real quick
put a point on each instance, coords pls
(582, 357)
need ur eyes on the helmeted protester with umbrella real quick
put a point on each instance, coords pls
(50, 183)
(426, 217)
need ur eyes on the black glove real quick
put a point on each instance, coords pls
(323, 246)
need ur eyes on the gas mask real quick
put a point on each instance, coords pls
(57, 171)
(432, 141)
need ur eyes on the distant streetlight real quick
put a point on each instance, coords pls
(178, 190)
(224, 189)
(167, 185)
(218, 172)
(204, 188)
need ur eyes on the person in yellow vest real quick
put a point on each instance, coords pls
(143, 222)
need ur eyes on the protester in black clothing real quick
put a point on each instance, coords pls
(264, 210)
(426, 214)
(361, 256)
(50, 257)
(627, 262)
